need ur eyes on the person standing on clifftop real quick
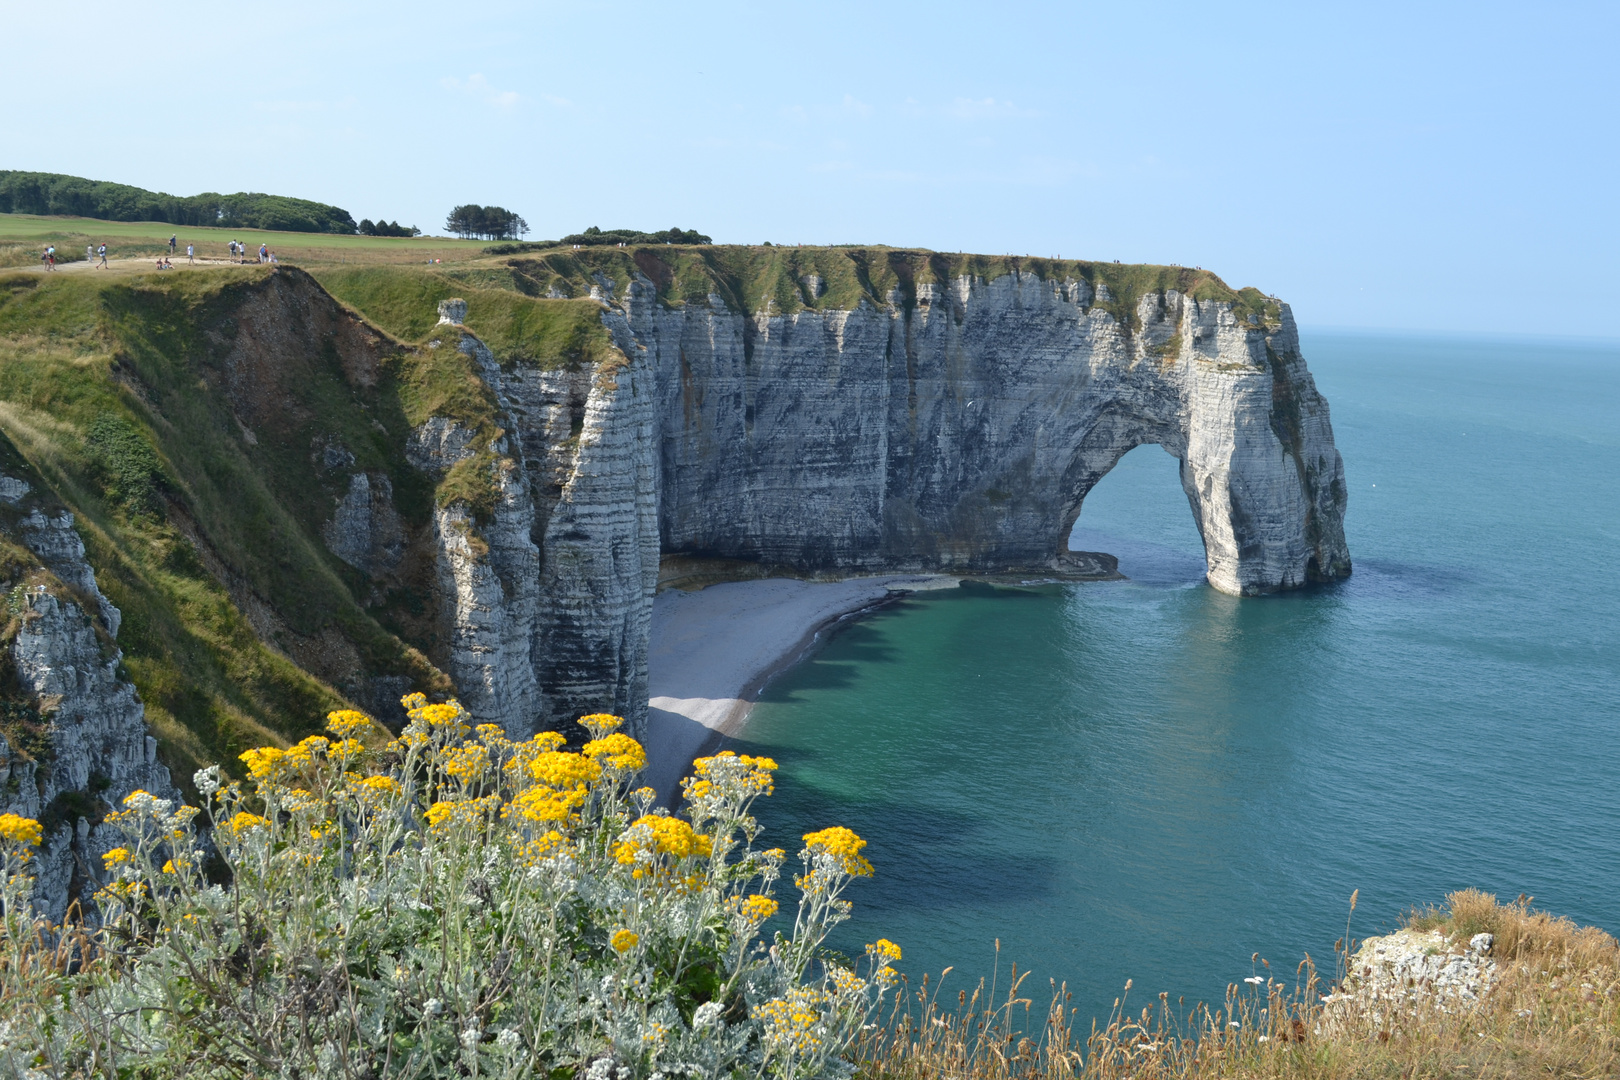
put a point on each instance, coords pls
(172, 240)
(191, 253)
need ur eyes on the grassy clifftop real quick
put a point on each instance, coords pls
(201, 427)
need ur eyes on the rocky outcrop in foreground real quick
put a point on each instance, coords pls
(66, 668)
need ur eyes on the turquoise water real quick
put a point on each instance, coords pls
(1152, 780)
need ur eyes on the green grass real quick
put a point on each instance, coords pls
(24, 236)
(115, 392)
(515, 325)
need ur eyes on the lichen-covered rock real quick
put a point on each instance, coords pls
(100, 751)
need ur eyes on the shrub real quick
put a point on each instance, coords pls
(456, 904)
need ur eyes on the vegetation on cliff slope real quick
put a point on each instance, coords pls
(199, 475)
(454, 904)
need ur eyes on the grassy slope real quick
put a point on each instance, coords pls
(136, 352)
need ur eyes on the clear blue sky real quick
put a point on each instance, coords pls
(1412, 165)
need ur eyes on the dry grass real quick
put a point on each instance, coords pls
(1554, 1011)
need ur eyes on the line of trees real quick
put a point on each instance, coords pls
(594, 236)
(76, 196)
(485, 222)
(387, 228)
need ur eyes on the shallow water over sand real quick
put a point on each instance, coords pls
(1152, 780)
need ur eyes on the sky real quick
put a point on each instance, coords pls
(1410, 166)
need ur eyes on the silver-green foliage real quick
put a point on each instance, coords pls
(455, 905)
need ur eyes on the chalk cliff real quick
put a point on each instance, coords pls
(962, 431)
(384, 498)
(96, 749)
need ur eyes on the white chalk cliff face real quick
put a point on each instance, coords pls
(99, 750)
(958, 433)
(964, 433)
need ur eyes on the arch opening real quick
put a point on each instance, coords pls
(1138, 512)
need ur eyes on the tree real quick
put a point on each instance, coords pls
(485, 222)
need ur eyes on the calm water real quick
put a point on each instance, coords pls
(1149, 779)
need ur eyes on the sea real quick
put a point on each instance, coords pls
(1149, 780)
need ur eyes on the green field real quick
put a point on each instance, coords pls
(24, 236)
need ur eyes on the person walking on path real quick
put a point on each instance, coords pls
(233, 251)
(89, 253)
(102, 251)
(49, 258)
(191, 253)
(264, 252)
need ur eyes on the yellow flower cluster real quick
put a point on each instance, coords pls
(619, 751)
(757, 908)
(625, 940)
(452, 812)
(561, 770)
(844, 846)
(17, 829)
(659, 834)
(243, 821)
(347, 723)
(792, 1023)
(883, 951)
(732, 776)
(118, 856)
(544, 804)
(378, 786)
(600, 723)
(467, 763)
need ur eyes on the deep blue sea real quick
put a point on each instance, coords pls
(1151, 780)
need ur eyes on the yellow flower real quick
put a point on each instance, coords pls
(659, 834)
(599, 724)
(883, 951)
(620, 751)
(625, 940)
(344, 749)
(118, 856)
(466, 762)
(540, 847)
(545, 804)
(439, 715)
(732, 776)
(345, 723)
(758, 908)
(174, 867)
(791, 1022)
(460, 811)
(244, 821)
(378, 786)
(21, 830)
(412, 702)
(844, 846)
(557, 769)
(264, 762)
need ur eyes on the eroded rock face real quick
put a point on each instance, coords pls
(100, 751)
(964, 433)
(959, 434)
